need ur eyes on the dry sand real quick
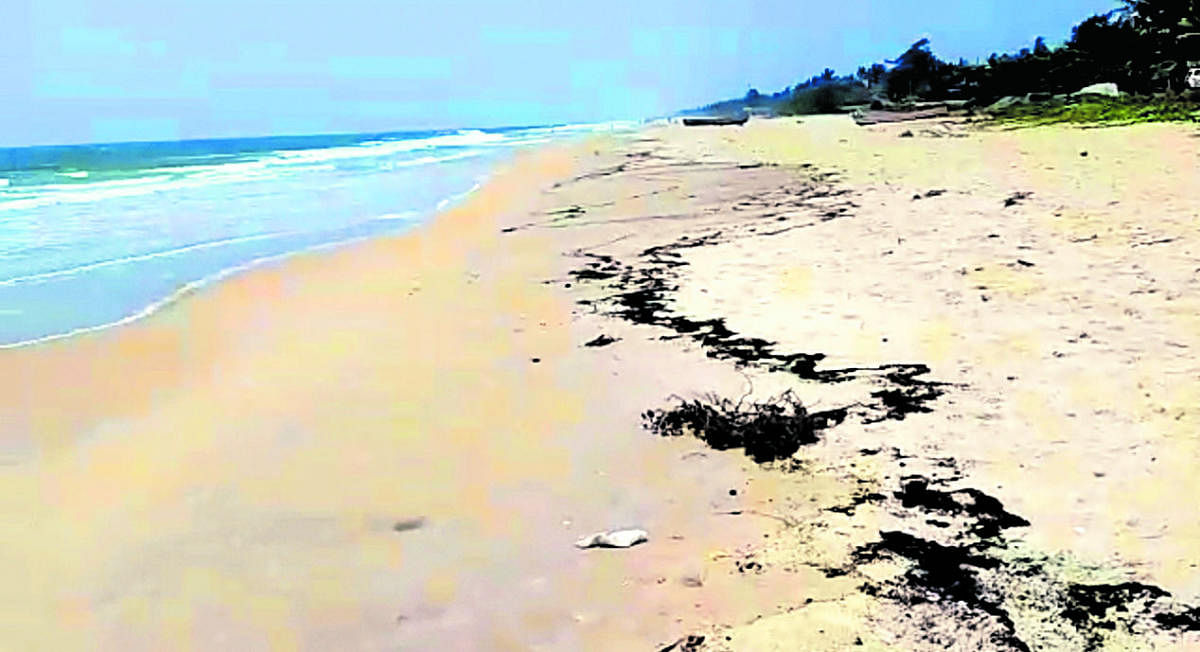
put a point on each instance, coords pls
(358, 450)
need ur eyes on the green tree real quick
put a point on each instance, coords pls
(1167, 38)
(913, 71)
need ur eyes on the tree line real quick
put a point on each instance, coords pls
(1145, 47)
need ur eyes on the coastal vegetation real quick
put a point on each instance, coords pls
(1118, 110)
(1145, 48)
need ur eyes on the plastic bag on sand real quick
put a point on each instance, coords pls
(614, 539)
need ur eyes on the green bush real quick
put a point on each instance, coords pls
(824, 98)
(1124, 110)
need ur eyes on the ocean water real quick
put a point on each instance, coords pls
(93, 236)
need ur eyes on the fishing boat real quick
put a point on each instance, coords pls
(714, 121)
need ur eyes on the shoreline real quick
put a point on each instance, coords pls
(210, 254)
(186, 290)
(351, 461)
(198, 285)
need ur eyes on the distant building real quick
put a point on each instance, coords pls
(1193, 78)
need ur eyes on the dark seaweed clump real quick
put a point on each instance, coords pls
(772, 430)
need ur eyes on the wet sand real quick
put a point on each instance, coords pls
(396, 445)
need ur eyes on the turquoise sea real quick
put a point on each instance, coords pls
(97, 235)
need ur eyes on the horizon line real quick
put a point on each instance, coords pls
(323, 134)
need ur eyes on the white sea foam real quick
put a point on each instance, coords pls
(429, 160)
(387, 217)
(382, 148)
(280, 163)
(50, 194)
(125, 260)
(193, 286)
(183, 291)
(449, 201)
(380, 154)
(194, 177)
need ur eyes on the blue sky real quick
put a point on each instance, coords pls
(105, 70)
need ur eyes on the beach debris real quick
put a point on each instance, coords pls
(900, 401)
(535, 360)
(1154, 242)
(942, 574)
(955, 568)
(614, 539)
(601, 340)
(600, 268)
(408, 524)
(640, 290)
(1024, 263)
(987, 515)
(690, 643)
(1185, 620)
(932, 193)
(748, 566)
(955, 572)
(860, 497)
(569, 211)
(906, 134)
(1016, 197)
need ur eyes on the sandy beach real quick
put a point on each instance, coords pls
(395, 445)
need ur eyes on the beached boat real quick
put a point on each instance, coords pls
(702, 121)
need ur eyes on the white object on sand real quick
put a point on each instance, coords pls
(614, 539)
